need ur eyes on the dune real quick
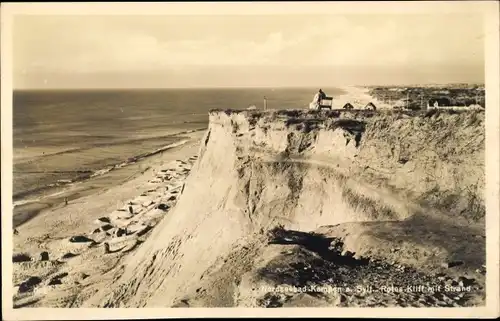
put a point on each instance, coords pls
(295, 208)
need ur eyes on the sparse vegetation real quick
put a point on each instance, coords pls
(373, 209)
(290, 113)
(253, 118)
(292, 121)
(466, 204)
(20, 257)
(304, 125)
(418, 97)
(235, 126)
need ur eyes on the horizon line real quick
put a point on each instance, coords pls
(247, 87)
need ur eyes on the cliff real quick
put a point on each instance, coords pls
(275, 195)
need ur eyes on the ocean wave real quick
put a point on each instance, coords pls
(96, 173)
(136, 158)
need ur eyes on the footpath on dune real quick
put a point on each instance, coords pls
(320, 208)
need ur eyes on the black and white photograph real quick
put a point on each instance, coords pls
(250, 156)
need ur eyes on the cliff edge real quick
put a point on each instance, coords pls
(324, 202)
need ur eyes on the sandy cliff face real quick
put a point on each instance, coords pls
(340, 172)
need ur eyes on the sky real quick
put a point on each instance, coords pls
(146, 51)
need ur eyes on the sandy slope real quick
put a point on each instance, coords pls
(360, 199)
(89, 237)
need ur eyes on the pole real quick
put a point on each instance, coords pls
(265, 103)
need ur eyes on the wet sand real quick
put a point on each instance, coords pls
(54, 197)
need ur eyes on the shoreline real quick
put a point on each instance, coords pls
(25, 209)
(23, 196)
(97, 229)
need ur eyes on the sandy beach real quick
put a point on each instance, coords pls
(68, 246)
(359, 97)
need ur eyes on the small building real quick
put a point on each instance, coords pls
(348, 106)
(370, 106)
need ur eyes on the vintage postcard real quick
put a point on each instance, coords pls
(276, 158)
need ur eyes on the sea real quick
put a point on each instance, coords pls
(64, 136)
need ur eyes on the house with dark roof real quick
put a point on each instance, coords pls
(348, 106)
(370, 106)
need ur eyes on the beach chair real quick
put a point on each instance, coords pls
(326, 103)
